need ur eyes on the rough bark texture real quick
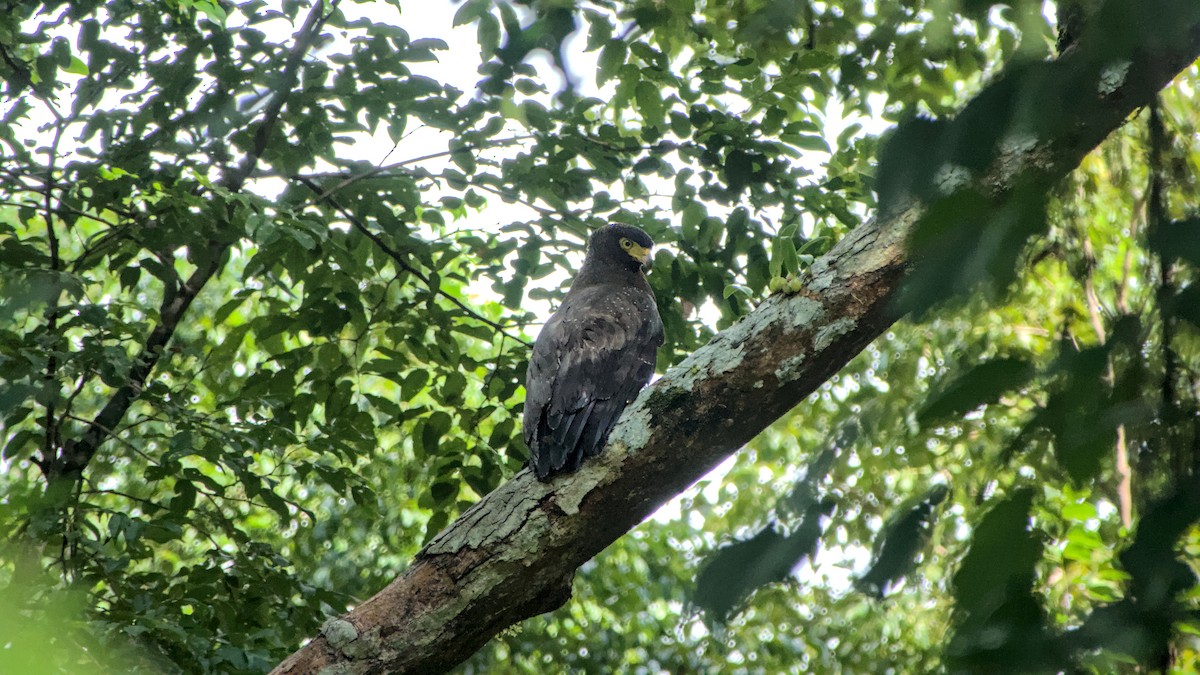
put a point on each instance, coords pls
(513, 555)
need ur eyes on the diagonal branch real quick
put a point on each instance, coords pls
(513, 554)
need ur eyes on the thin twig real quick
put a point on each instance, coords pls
(83, 380)
(402, 263)
(543, 211)
(60, 209)
(1123, 469)
(147, 502)
(112, 434)
(384, 170)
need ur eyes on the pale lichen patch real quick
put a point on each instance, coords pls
(571, 494)
(803, 312)
(1018, 144)
(721, 355)
(339, 633)
(526, 539)
(826, 335)
(790, 368)
(634, 429)
(883, 242)
(791, 312)
(508, 521)
(821, 279)
(493, 519)
(1112, 77)
(951, 178)
(366, 646)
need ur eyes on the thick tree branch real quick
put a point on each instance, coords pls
(513, 554)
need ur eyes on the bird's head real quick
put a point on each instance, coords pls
(625, 245)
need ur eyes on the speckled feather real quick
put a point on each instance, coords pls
(592, 357)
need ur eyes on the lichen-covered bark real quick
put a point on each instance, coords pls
(513, 554)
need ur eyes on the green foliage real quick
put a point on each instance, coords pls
(980, 385)
(267, 280)
(734, 571)
(52, 635)
(901, 543)
(1001, 622)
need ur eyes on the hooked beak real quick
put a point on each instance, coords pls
(642, 255)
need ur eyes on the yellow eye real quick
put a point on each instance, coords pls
(626, 244)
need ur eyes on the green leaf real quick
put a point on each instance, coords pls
(212, 10)
(775, 265)
(1003, 552)
(681, 126)
(463, 156)
(649, 102)
(736, 570)
(76, 66)
(45, 68)
(693, 214)
(488, 35)
(18, 444)
(414, 382)
(470, 11)
(1186, 304)
(732, 289)
(474, 477)
(612, 57)
(806, 142)
(452, 388)
(1178, 239)
(901, 542)
(982, 384)
(435, 428)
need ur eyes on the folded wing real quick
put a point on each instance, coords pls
(589, 362)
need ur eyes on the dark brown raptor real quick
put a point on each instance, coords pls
(594, 354)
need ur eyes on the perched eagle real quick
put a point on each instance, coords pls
(594, 354)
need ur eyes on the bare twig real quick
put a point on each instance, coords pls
(1123, 469)
(61, 209)
(146, 502)
(66, 411)
(110, 433)
(385, 171)
(516, 198)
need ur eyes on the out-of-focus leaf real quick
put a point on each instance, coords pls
(1178, 239)
(733, 572)
(900, 543)
(1000, 622)
(982, 384)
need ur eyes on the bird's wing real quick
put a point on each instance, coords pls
(589, 362)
